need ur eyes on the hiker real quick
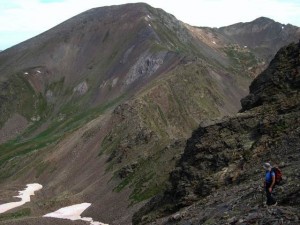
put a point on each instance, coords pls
(269, 184)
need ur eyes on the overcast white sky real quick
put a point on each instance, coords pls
(23, 19)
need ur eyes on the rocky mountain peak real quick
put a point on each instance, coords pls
(263, 20)
(261, 32)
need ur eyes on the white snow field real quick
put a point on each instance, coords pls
(73, 213)
(23, 195)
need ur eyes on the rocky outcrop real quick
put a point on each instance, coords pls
(145, 66)
(81, 88)
(277, 83)
(221, 165)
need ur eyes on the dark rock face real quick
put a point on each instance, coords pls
(278, 82)
(217, 177)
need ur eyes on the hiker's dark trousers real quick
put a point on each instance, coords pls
(270, 199)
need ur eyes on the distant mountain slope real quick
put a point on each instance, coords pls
(263, 35)
(221, 167)
(252, 44)
(98, 108)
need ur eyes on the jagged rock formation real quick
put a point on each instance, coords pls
(220, 171)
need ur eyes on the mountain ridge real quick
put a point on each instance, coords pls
(227, 157)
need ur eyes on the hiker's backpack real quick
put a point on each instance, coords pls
(278, 175)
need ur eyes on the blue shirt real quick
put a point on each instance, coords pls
(269, 175)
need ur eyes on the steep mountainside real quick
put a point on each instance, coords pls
(219, 174)
(98, 108)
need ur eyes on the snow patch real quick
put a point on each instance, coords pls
(73, 213)
(26, 73)
(38, 71)
(23, 195)
(245, 46)
(148, 17)
(282, 27)
(214, 42)
(149, 25)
